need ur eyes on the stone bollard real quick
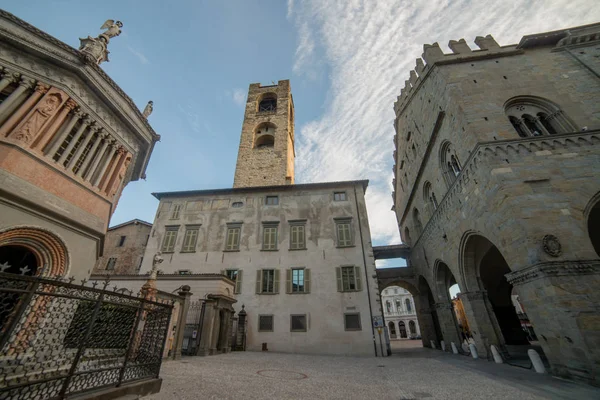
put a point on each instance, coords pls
(454, 349)
(443, 345)
(496, 354)
(473, 351)
(538, 365)
(432, 344)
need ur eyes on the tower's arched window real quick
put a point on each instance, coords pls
(417, 221)
(264, 135)
(449, 162)
(534, 116)
(429, 197)
(267, 102)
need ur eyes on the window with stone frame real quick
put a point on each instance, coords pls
(265, 323)
(297, 235)
(352, 322)
(269, 236)
(272, 200)
(449, 162)
(190, 239)
(340, 196)
(536, 116)
(232, 239)
(408, 305)
(110, 265)
(297, 280)
(344, 232)
(348, 279)
(298, 323)
(168, 245)
(267, 281)
(235, 275)
(176, 211)
(398, 305)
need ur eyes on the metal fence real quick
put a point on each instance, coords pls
(58, 339)
(193, 328)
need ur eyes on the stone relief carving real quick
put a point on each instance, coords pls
(39, 117)
(551, 245)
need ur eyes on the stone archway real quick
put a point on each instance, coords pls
(34, 251)
(593, 224)
(452, 330)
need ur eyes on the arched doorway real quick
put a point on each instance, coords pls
(594, 227)
(392, 328)
(402, 329)
(485, 269)
(412, 327)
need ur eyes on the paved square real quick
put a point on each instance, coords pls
(411, 374)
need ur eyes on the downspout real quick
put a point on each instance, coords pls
(362, 246)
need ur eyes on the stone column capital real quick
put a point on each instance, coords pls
(27, 83)
(42, 88)
(70, 104)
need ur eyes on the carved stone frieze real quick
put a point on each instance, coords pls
(553, 269)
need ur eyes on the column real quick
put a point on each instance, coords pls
(47, 136)
(540, 126)
(524, 127)
(427, 326)
(63, 132)
(97, 159)
(104, 164)
(181, 321)
(89, 157)
(17, 115)
(82, 146)
(111, 168)
(447, 320)
(8, 78)
(7, 105)
(482, 321)
(84, 124)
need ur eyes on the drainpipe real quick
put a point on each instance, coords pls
(366, 272)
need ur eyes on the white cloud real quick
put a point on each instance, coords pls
(239, 97)
(139, 55)
(370, 47)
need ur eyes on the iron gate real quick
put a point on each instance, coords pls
(193, 328)
(58, 339)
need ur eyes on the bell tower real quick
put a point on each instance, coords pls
(266, 153)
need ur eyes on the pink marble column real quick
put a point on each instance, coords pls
(90, 173)
(84, 124)
(64, 131)
(104, 165)
(59, 121)
(107, 179)
(91, 132)
(19, 114)
(89, 157)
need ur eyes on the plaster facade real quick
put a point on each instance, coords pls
(496, 188)
(70, 140)
(322, 302)
(124, 248)
(399, 313)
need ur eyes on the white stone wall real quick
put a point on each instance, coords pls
(324, 306)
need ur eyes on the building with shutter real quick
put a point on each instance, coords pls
(298, 256)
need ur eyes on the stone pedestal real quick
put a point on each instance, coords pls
(562, 301)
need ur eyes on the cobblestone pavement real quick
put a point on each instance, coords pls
(410, 374)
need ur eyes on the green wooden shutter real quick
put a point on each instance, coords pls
(288, 281)
(338, 275)
(238, 282)
(259, 281)
(307, 280)
(293, 237)
(276, 281)
(357, 279)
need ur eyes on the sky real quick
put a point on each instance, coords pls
(347, 61)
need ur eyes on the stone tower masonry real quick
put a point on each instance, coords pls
(266, 153)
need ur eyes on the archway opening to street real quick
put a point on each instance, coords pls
(398, 301)
(447, 290)
(485, 268)
(594, 227)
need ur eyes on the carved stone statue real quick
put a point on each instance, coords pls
(94, 50)
(38, 118)
(155, 262)
(148, 110)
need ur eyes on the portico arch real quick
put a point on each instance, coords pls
(593, 222)
(445, 307)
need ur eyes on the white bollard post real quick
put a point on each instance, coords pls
(432, 344)
(473, 351)
(496, 354)
(454, 349)
(443, 345)
(538, 365)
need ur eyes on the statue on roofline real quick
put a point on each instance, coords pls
(95, 50)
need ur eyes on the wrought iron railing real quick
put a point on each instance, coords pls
(58, 339)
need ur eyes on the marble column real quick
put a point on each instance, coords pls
(90, 155)
(8, 78)
(90, 173)
(84, 143)
(181, 320)
(11, 102)
(84, 124)
(106, 179)
(50, 133)
(18, 114)
(104, 164)
(63, 132)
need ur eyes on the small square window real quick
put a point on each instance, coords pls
(110, 266)
(298, 323)
(265, 323)
(352, 322)
(272, 200)
(339, 196)
(122, 241)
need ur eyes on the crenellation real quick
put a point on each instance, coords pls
(459, 47)
(487, 43)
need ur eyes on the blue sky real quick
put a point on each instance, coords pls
(347, 61)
